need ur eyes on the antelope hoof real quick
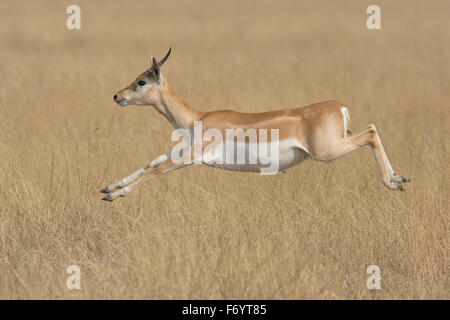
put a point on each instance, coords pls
(113, 195)
(393, 184)
(400, 179)
(110, 188)
(405, 179)
(105, 190)
(109, 198)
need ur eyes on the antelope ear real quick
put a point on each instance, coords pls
(156, 69)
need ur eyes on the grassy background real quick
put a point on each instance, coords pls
(201, 232)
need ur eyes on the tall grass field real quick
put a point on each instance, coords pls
(201, 232)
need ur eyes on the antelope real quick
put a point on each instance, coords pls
(319, 131)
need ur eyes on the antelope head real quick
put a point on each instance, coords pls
(145, 90)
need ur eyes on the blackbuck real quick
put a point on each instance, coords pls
(319, 132)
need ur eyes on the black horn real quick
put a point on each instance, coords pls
(165, 57)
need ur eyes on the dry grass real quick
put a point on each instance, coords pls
(201, 232)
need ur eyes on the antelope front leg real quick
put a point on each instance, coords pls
(164, 168)
(132, 177)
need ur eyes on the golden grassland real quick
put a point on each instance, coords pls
(204, 233)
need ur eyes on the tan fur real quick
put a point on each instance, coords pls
(318, 128)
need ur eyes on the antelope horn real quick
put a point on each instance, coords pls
(165, 58)
(159, 64)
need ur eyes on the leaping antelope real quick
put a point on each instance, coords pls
(319, 131)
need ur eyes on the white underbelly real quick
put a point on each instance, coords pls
(257, 156)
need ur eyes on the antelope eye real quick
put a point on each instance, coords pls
(141, 83)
